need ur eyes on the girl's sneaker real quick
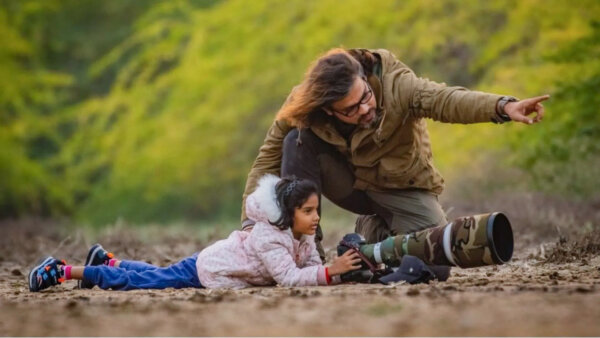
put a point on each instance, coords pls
(96, 256)
(46, 274)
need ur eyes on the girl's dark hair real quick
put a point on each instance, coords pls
(291, 193)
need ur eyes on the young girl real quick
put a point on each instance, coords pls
(279, 250)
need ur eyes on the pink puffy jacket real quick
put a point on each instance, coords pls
(264, 256)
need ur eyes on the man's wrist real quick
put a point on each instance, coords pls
(501, 115)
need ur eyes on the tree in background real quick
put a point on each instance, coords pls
(153, 110)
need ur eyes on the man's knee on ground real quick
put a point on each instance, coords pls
(372, 227)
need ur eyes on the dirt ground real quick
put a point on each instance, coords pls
(551, 287)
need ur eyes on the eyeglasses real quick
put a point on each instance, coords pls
(352, 110)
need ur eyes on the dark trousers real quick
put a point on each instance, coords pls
(383, 214)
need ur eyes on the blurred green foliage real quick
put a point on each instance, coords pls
(154, 110)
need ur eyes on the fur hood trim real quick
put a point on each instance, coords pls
(266, 197)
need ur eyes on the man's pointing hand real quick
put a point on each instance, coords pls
(520, 110)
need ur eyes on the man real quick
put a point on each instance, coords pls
(356, 126)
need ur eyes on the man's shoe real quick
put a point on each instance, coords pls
(46, 274)
(96, 256)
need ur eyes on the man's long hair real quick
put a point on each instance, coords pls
(327, 80)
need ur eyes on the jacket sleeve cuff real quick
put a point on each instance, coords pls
(325, 279)
(322, 276)
(501, 116)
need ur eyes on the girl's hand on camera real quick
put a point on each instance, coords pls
(349, 261)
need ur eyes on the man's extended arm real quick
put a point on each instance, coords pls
(421, 97)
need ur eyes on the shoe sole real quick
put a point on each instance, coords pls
(33, 281)
(88, 261)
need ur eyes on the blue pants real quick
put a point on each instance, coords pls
(132, 275)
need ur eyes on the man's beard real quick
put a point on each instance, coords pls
(374, 122)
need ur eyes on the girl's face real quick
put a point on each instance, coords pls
(306, 217)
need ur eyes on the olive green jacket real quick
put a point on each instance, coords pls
(397, 153)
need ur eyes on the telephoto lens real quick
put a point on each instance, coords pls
(466, 242)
